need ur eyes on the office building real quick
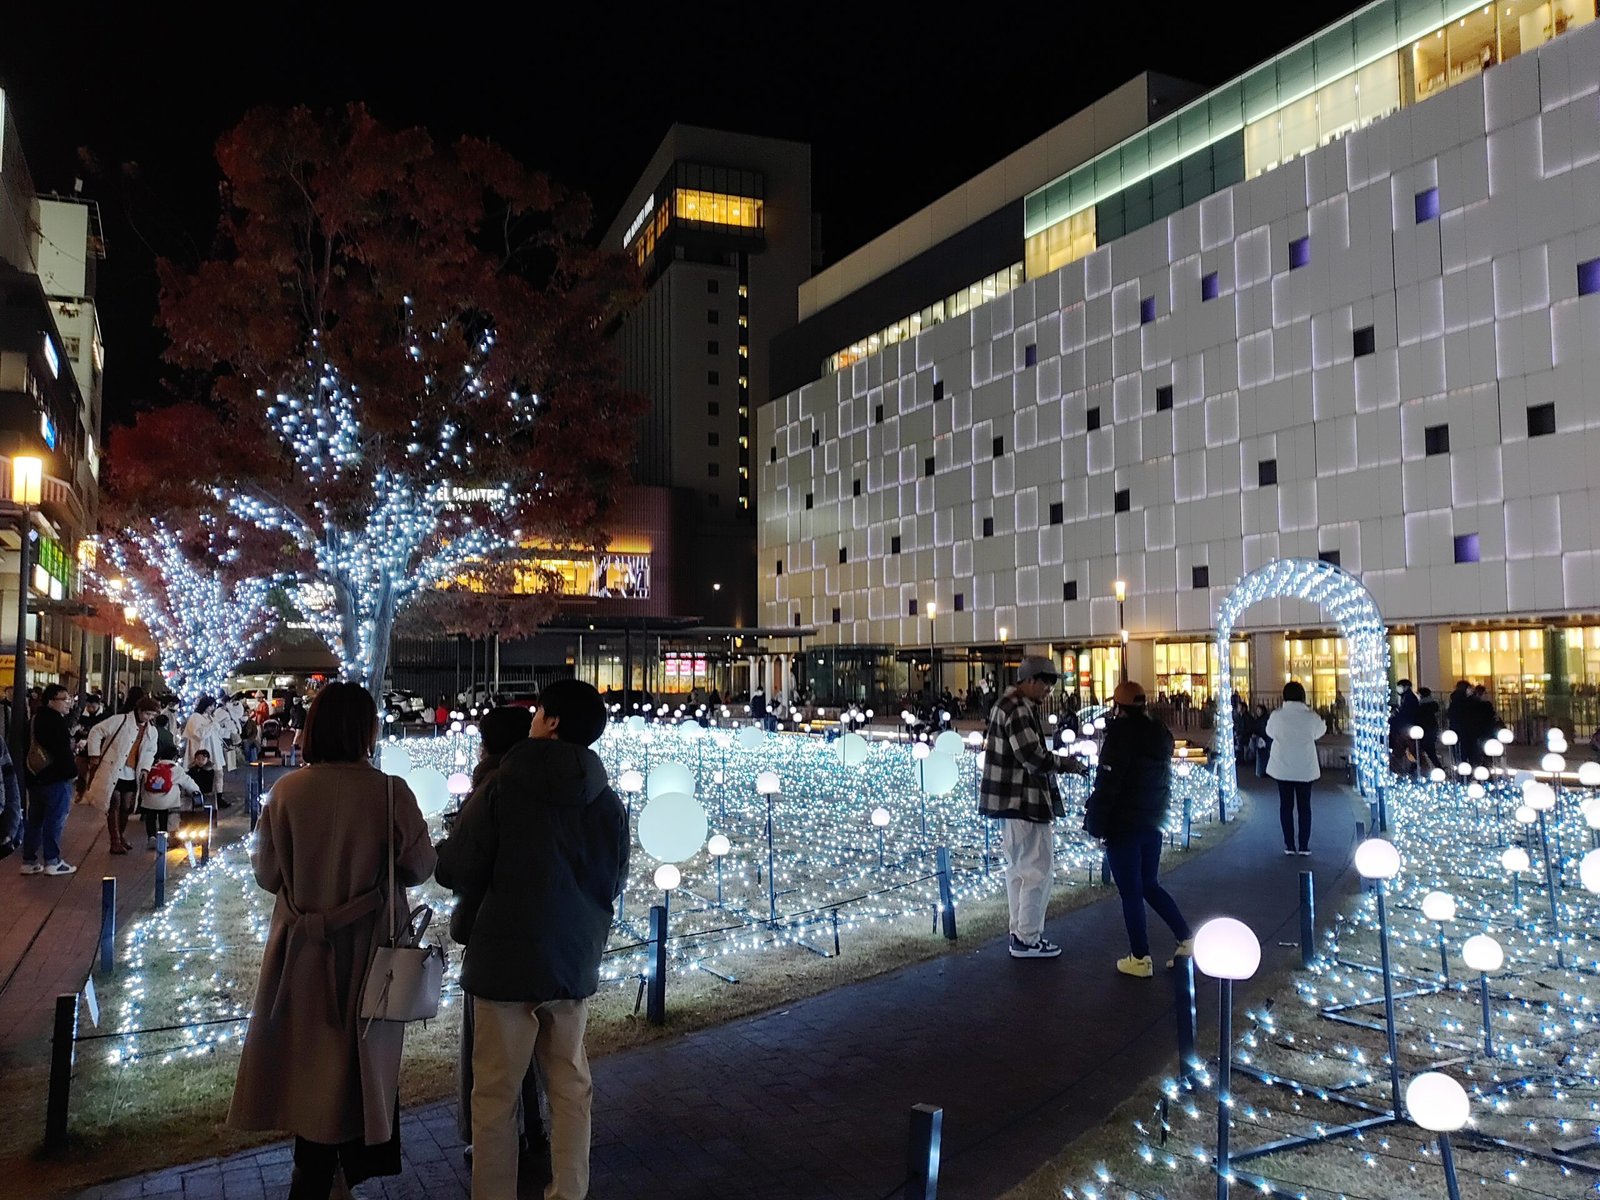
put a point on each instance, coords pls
(1346, 305)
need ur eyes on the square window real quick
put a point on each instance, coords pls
(1541, 419)
(713, 348)
(1466, 547)
(894, 544)
(855, 487)
(927, 466)
(1589, 277)
(713, 287)
(713, 470)
(1056, 515)
(938, 389)
(713, 316)
(778, 568)
(1147, 310)
(844, 555)
(1164, 397)
(797, 620)
(1121, 501)
(877, 415)
(713, 438)
(1427, 202)
(714, 378)
(988, 527)
(1069, 590)
(1092, 418)
(836, 615)
(774, 457)
(1267, 472)
(911, 608)
(1299, 253)
(1030, 356)
(811, 499)
(816, 437)
(713, 409)
(1329, 556)
(999, 446)
(961, 602)
(1436, 440)
(1210, 287)
(1200, 576)
(1364, 341)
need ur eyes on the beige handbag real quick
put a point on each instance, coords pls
(405, 978)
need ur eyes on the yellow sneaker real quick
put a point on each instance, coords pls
(1139, 968)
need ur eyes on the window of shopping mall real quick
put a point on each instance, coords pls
(1550, 673)
(1322, 663)
(1099, 672)
(1192, 667)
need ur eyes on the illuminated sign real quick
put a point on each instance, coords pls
(638, 221)
(47, 427)
(50, 358)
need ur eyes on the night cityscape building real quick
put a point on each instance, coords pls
(1341, 306)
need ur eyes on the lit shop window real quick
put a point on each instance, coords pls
(1063, 243)
(717, 208)
(956, 304)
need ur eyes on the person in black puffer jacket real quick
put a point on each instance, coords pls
(1131, 792)
(546, 846)
(50, 787)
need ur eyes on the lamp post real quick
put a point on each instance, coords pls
(27, 477)
(1226, 950)
(1120, 588)
(1440, 907)
(1378, 861)
(767, 785)
(1483, 954)
(1515, 860)
(933, 686)
(1439, 1104)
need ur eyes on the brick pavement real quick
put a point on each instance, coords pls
(812, 1100)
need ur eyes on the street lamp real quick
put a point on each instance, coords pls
(27, 479)
(1120, 588)
(933, 685)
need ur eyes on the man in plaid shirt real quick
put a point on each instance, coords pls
(1018, 789)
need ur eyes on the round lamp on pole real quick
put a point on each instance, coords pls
(1439, 1104)
(1484, 955)
(1227, 950)
(1440, 907)
(1377, 860)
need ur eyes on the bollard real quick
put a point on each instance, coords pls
(61, 1041)
(947, 902)
(656, 1006)
(1184, 1006)
(1188, 819)
(1308, 919)
(108, 924)
(1222, 802)
(161, 869)
(922, 1153)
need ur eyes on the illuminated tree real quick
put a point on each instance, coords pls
(403, 349)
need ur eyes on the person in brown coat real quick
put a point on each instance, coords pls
(309, 1066)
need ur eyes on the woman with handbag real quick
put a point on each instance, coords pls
(340, 865)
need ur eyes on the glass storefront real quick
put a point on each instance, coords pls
(1535, 674)
(1322, 663)
(1192, 667)
(956, 304)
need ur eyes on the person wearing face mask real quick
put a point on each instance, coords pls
(121, 749)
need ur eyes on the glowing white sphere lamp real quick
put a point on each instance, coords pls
(1541, 797)
(1378, 860)
(1553, 762)
(1515, 859)
(975, 739)
(880, 817)
(1481, 774)
(1494, 748)
(1439, 906)
(631, 781)
(668, 877)
(673, 827)
(1415, 733)
(920, 750)
(1226, 949)
(1436, 775)
(718, 845)
(1447, 737)
(460, 783)
(1439, 1104)
(1475, 791)
(1525, 815)
(1505, 737)
(1483, 954)
(1589, 871)
(767, 783)
(1589, 774)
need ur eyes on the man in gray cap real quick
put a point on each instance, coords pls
(1018, 789)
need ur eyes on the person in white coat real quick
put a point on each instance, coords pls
(1294, 730)
(202, 731)
(166, 786)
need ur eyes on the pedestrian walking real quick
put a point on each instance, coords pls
(1127, 808)
(1018, 789)
(121, 749)
(1428, 719)
(50, 772)
(546, 846)
(1294, 730)
(310, 1065)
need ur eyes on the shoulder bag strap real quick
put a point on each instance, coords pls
(388, 900)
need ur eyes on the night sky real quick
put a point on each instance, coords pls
(898, 106)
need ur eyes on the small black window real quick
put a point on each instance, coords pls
(797, 620)
(961, 602)
(927, 466)
(714, 378)
(1147, 310)
(911, 609)
(1121, 501)
(1541, 419)
(713, 438)
(1069, 590)
(1092, 418)
(855, 487)
(713, 470)
(988, 527)
(894, 544)
(877, 415)
(1210, 288)
(774, 457)
(1365, 341)
(999, 446)
(779, 567)
(1427, 202)
(1299, 253)
(713, 347)
(713, 287)
(713, 316)
(938, 389)
(1057, 515)
(1330, 556)
(1436, 440)
(1201, 576)
(1466, 547)
(713, 409)
(1030, 355)
(1267, 472)
(844, 555)
(811, 498)
(836, 615)
(816, 437)
(1164, 397)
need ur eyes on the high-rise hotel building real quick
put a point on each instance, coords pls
(1346, 305)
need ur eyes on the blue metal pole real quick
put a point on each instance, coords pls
(1550, 890)
(1184, 1007)
(947, 902)
(1483, 999)
(1388, 1003)
(1308, 919)
(922, 1153)
(161, 869)
(772, 884)
(1224, 1082)
(1448, 1161)
(108, 924)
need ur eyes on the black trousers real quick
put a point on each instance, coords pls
(316, 1162)
(1293, 794)
(157, 818)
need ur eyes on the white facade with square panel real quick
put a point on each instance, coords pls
(1086, 470)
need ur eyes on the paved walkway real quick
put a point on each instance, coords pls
(813, 1100)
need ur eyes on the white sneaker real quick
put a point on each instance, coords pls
(32, 868)
(61, 868)
(1039, 949)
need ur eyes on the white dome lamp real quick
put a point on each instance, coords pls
(1483, 954)
(1514, 861)
(880, 822)
(1440, 907)
(1439, 1104)
(1589, 871)
(1227, 950)
(1415, 734)
(718, 847)
(1378, 861)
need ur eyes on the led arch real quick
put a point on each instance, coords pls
(1343, 597)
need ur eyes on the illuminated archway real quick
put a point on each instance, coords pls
(1343, 597)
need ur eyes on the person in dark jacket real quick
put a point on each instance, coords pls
(1428, 719)
(11, 820)
(546, 846)
(1131, 791)
(1455, 715)
(50, 788)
